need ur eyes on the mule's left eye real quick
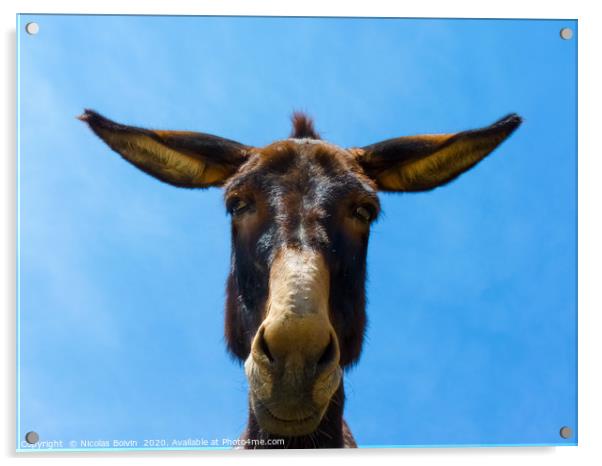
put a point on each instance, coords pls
(364, 213)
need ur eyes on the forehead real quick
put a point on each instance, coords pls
(301, 164)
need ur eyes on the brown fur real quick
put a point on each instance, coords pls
(303, 127)
(314, 200)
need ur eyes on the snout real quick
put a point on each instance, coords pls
(293, 371)
(293, 368)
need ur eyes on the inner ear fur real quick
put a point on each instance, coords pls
(181, 158)
(423, 162)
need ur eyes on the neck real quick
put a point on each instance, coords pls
(329, 434)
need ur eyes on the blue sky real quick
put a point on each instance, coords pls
(472, 287)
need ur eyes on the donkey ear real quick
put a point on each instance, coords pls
(181, 158)
(421, 163)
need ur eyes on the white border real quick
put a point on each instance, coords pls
(590, 231)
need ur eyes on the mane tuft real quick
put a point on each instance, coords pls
(303, 126)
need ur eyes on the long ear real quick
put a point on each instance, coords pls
(420, 163)
(181, 158)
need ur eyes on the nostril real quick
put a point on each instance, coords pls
(329, 353)
(263, 346)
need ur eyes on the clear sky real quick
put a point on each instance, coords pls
(472, 287)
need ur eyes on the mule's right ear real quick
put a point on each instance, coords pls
(181, 158)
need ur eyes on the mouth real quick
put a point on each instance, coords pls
(290, 425)
(297, 420)
(285, 409)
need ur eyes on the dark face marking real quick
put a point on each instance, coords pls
(304, 195)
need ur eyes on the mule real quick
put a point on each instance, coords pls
(301, 210)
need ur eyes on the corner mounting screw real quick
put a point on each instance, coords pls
(32, 437)
(566, 432)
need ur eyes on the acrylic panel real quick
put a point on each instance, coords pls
(156, 314)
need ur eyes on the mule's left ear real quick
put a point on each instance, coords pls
(420, 163)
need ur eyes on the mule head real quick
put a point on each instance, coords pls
(301, 212)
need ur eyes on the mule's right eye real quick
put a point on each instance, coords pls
(238, 206)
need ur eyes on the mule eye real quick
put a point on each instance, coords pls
(237, 206)
(364, 213)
